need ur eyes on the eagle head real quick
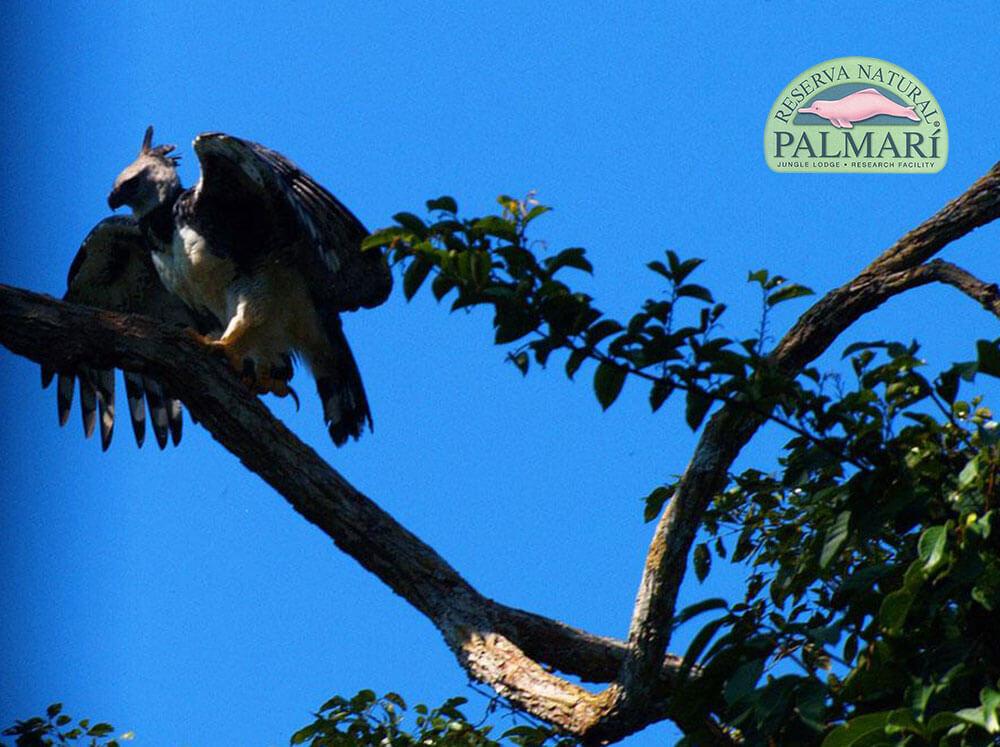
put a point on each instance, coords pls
(149, 181)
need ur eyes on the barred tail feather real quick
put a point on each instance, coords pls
(338, 381)
(97, 394)
(64, 396)
(157, 410)
(175, 420)
(88, 403)
(136, 406)
(105, 381)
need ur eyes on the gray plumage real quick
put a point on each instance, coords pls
(260, 246)
(113, 270)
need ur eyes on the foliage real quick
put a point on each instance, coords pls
(364, 720)
(367, 719)
(875, 591)
(872, 608)
(57, 728)
(669, 344)
(871, 614)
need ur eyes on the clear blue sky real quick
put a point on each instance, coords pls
(174, 593)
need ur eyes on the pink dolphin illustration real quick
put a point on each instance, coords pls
(857, 106)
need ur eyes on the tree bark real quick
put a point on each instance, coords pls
(511, 650)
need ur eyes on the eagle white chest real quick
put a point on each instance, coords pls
(191, 271)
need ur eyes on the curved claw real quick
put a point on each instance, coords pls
(281, 388)
(294, 396)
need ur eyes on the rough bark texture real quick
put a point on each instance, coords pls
(895, 270)
(512, 650)
(488, 638)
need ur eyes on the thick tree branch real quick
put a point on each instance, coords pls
(731, 428)
(499, 645)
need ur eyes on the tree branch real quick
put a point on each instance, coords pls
(499, 645)
(893, 272)
(986, 294)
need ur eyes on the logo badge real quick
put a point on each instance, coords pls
(856, 115)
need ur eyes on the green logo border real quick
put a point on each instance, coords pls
(885, 144)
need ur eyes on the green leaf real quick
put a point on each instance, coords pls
(411, 223)
(901, 721)
(698, 644)
(494, 225)
(608, 381)
(988, 354)
(441, 285)
(990, 699)
(444, 203)
(660, 269)
(943, 720)
(787, 293)
(414, 277)
(601, 330)
(100, 730)
(702, 561)
(659, 392)
(685, 268)
(931, 546)
(53, 710)
(850, 647)
(396, 698)
(720, 547)
(305, 733)
(893, 610)
(572, 257)
(655, 501)
(743, 681)
(512, 322)
(856, 346)
(380, 238)
(535, 212)
(969, 473)
(696, 408)
(695, 291)
(577, 357)
(836, 536)
(859, 731)
(521, 361)
(705, 605)
(947, 386)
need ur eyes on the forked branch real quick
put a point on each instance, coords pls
(897, 269)
(511, 650)
(502, 646)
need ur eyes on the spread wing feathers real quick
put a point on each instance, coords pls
(113, 270)
(338, 381)
(294, 217)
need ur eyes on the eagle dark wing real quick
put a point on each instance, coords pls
(273, 210)
(113, 270)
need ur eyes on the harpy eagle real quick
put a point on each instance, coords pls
(256, 250)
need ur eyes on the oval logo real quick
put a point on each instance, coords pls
(856, 115)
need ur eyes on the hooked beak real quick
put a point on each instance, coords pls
(115, 200)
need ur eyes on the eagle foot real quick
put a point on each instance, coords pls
(217, 347)
(275, 382)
